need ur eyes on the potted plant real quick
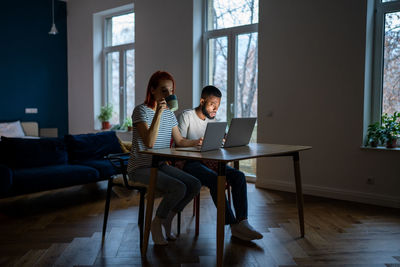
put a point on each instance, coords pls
(390, 129)
(127, 125)
(105, 116)
(374, 135)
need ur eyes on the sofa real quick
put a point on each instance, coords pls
(34, 165)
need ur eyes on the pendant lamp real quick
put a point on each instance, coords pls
(53, 30)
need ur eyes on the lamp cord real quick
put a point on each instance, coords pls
(53, 10)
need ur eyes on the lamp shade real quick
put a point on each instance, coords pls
(53, 30)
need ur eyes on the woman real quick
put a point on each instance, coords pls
(154, 124)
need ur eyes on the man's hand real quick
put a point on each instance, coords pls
(199, 141)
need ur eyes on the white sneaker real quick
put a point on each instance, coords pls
(243, 230)
(156, 232)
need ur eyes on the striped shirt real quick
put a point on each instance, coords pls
(142, 113)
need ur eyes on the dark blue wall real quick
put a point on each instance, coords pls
(33, 64)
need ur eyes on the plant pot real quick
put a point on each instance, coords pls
(373, 143)
(391, 143)
(130, 128)
(105, 125)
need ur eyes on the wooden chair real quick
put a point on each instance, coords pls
(119, 162)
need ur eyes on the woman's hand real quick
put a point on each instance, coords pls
(161, 105)
(149, 134)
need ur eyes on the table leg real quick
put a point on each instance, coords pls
(299, 191)
(150, 203)
(221, 212)
(236, 164)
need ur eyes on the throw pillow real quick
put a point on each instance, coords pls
(125, 146)
(92, 146)
(11, 129)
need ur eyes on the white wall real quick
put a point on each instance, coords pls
(163, 42)
(81, 94)
(311, 91)
(164, 31)
(311, 86)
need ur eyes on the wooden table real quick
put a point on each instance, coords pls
(223, 156)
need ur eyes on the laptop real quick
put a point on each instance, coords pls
(240, 132)
(212, 140)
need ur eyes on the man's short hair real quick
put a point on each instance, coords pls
(210, 90)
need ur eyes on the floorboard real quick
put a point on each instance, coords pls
(63, 228)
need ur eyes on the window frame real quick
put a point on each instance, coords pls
(231, 34)
(380, 9)
(121, 49)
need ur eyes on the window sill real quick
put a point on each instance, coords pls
(118, 131)
(380, 148)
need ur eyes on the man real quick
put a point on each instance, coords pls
(192, 125)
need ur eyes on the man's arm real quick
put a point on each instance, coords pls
(180, 141)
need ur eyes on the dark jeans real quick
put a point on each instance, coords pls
(236, 180)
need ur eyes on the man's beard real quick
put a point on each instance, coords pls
(203, 109)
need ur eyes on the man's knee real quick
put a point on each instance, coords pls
(236, 178)
(206, 176)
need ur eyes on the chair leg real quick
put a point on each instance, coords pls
(228, 191)
(194, 205)
(179, 223)
(107, 208)
(141, 215)
(197, 198)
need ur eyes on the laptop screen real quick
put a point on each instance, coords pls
(240, 131)
(213, 136)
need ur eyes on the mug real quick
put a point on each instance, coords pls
(172, 102)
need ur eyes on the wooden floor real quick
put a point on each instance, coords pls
(63, 228)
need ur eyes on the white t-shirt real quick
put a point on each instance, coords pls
(191, 126)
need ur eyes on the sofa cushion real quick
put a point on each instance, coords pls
(92, 146)
(51, 177)
(104, 167)
(30, 153)
(5, 179)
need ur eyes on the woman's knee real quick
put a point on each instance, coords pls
(193, 187)
(196, 186)
(177, 188)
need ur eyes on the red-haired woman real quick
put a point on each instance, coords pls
(154, 124)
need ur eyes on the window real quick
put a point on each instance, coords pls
(386, 82)
(231, 61)
(119, 67)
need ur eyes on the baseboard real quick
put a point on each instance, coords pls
(355, 196)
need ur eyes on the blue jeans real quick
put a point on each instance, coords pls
(236, 180)
(177, 186)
